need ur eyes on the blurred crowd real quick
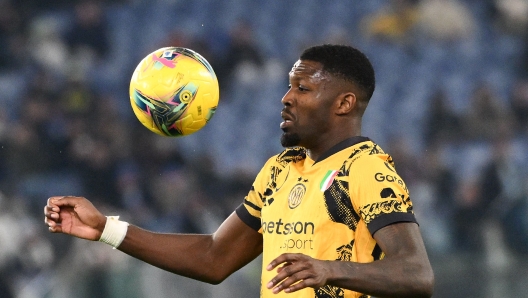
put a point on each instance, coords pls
(451, 107)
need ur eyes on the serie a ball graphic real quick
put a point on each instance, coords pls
(174, 91)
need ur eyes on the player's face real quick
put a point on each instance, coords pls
(307, 105)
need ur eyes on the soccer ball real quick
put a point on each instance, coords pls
(174, 91)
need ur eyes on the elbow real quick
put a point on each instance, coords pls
(418, 285)
(215, 281)
(206, 278)
(426, 284)
(215, 277)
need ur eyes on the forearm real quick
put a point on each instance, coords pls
(208, 258)
(188, 255)
(384, 278)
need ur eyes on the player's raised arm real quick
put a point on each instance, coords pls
(209, 258)
(404, 272)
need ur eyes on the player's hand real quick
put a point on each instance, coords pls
(297, 272)
(75, 216)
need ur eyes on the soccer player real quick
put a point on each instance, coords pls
(330, 214)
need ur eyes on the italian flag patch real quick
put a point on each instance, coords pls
(327, 180)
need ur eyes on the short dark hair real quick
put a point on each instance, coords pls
(346, 62)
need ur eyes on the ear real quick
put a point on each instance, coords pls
(346, 103)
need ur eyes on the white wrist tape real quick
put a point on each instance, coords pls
(114, 231)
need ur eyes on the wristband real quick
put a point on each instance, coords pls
(114, 231)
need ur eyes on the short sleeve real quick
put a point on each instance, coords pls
(378, 193)
(250, 209)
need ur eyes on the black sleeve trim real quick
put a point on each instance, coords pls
(257, 208)
(388, 219)
(248, 219)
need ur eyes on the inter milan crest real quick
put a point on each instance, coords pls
(296, 195)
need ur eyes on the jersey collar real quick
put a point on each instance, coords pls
(342, 145)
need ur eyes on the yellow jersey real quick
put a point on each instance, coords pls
(327, 209)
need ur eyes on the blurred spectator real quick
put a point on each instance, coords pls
(154, 153)
(48, 48)
(243, 57)
(12, 40)
(519, 105)
(401, 150)
(503, 194)
(5, 291)
(132, 193)
(523, 65)
(498, 196)
(180, 204)
(87, 38)
(32, 147)
(98, 170)
(394, 22)
(77, 100)
(442, 123)
(442, 184)
(107, 122)
(511, 16)
(89, 30)
(4, 140)
(488, 116)
(442, 178)
(25, 256)
(467, 234)
(8, 249)
(446, 20)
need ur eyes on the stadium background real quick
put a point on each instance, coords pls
(451, 105)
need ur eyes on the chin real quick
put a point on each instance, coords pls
(290, 140)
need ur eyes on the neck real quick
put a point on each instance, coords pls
(344, 129)
(326, 143)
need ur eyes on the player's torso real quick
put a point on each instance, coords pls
(295, 218)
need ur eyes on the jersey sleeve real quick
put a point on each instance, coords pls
(250, 209)
(378, 193)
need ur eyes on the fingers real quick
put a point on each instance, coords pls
(288, 274)
(279, 269)
(291, 278)
(53, 226)
(52, 211)
(51, 216)
(284, 258)
(64, 201)
(298, 271)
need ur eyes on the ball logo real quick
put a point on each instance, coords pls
(167, 54)
(296, 195)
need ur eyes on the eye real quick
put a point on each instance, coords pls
(289, 86)
(301, 88)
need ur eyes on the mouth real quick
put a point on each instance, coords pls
(288, 120)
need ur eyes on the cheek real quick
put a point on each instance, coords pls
(314, 118)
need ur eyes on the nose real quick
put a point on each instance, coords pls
(287, 99)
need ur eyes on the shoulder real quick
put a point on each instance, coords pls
(369, 154)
